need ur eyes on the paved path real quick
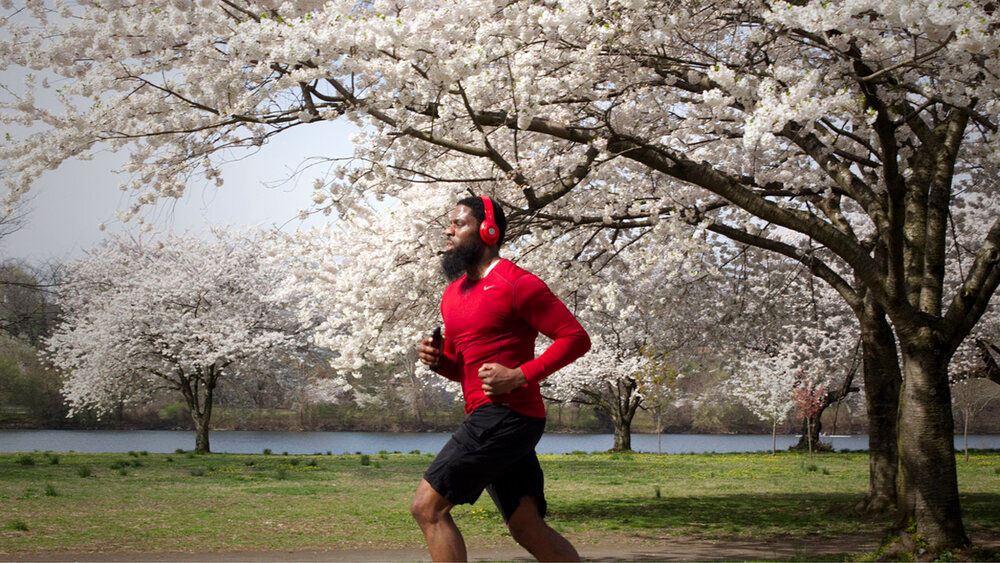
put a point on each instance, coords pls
(641, 549)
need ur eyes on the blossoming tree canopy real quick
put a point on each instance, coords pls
(184, 314)
(855, 137)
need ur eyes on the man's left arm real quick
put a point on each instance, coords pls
(536, 303)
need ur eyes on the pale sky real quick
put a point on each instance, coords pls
(67, 205)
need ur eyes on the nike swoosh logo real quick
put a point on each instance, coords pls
(488, 287)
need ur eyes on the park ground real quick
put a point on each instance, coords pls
(235, 507)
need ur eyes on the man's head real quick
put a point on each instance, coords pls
(465, 247)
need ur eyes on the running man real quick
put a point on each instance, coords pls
(493, 311)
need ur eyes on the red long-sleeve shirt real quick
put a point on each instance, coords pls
(496, 319)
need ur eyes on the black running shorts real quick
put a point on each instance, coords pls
(494, 449)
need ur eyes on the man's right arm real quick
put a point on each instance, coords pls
(442, 360)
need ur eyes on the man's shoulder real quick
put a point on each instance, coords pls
(512, 272)
(518, 277)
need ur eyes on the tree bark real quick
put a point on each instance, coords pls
(928, 484)
(882, 382)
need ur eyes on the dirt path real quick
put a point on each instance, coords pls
(637, 548)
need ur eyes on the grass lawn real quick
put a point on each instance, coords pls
(232, 502)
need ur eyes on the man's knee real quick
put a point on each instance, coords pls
(527, 520)
(428, 506)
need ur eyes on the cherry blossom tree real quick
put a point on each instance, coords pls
(604, 378)
(854, 137)
(182, 314)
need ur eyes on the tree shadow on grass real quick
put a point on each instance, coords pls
(981, 511)
(763, 515)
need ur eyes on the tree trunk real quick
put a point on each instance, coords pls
(882, 383)
(198, 391)
(928, 484)
(774, 437)
(623, 435)
(625, 402)
(965, 434)
(201, 424)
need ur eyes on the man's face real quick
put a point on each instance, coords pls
(464, 247)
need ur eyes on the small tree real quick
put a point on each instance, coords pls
(658, 387)
(970, 397)
(184, 315)
(808, 398)
(761, 384)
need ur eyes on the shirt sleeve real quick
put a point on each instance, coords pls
(449, 365)
(535, 303)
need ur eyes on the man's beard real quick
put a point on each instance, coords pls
(460, 259)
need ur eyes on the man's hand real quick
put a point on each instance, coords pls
(429, 354)
(498, 379)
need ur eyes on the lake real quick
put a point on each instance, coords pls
(168, 441)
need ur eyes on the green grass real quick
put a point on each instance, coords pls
(230, 502)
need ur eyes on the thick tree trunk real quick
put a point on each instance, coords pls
(811, 428)
(928, 485)
(882, 383)
(198, 392)
(623, 435)
(201, 425)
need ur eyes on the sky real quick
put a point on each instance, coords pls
(67, 206)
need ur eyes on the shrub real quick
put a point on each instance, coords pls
(50, 491)
(417, 452)
(123, 472)
(169, 459)
(53, 459)
(17, 525)
(197, 471)
(312, 463)
(249, 463)
(281, 474)
(366, 459)
(133, 454)
(83, 471)
(267, 451)
(26, 459)
(294, 461)
(179, 451)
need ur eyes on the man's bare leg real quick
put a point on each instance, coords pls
(530, 530)
(433, 513)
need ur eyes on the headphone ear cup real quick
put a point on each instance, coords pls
(489, 232)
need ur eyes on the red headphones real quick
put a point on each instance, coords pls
(488, 229)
